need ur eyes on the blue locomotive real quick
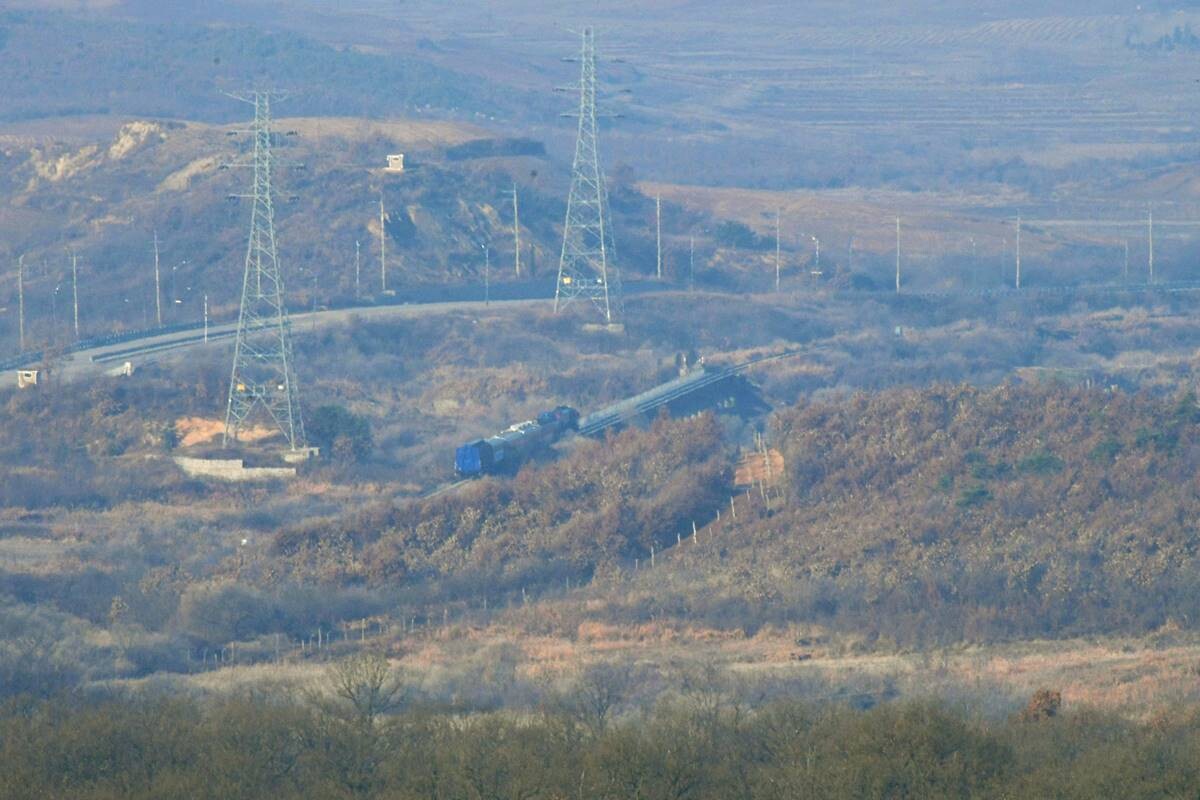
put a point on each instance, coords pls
(508, 449)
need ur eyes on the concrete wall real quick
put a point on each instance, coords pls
(231, 469)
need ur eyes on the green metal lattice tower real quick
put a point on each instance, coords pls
(263, 379)
(585, 268)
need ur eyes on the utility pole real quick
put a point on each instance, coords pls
(157, 294)
(1150, 240)
(583, 268)
(1018, 249)
(658, 236)
(487, 275)
(357, 268)
(263, 375)
(206, 319)
(382, 246)
(897, 255)
(21, 301)
(75, 291)
(516, 233)
(777, 250)
(691, 263)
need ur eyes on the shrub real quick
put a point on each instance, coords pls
(734, 234)
(1106, 450)
(1162, 440)
(217, 613)
(985, 471)
(1044, 704)
(341, 435)
(972, 496)
(1043, 462)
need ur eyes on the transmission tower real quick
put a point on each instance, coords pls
(584, 269)
(263, 378)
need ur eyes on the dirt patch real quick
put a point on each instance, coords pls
(179, 180)
(198, 430)
(133, 137)
(760, 467)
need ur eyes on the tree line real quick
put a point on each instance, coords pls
(359, 738)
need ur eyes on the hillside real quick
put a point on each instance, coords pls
(101, 187)
(951, 119)
(921, 516)
(120, 62)
(951, 514)
(105, 188)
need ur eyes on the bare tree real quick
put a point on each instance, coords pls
(367, 686)
(598, 693)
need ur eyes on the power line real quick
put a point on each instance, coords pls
(1108, 223)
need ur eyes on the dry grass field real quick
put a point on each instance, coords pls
(932, 224)
(1138, 678)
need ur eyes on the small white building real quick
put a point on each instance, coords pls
(123, 370)
(395, 163)
(28, 378)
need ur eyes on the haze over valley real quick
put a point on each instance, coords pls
(659, 399)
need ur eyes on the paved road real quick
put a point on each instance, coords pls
(95, 360)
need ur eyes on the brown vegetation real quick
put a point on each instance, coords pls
(594, 510)
(701, 745)
(905, 518)
(1044, 704)
(955, 513)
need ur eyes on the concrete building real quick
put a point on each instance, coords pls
(123, 370)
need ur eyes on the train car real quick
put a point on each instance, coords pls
(722, 390)
(506, 450)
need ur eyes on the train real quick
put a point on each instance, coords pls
(506, 450)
